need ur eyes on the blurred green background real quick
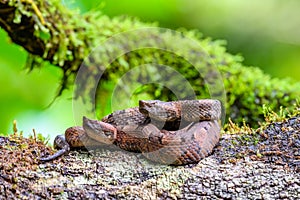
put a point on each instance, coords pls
(266, 33)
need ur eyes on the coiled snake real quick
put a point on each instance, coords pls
(176, 132)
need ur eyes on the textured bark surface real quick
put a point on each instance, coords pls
(235, 170)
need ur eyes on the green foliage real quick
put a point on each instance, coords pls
(75, 35)
(248, 89)
(270, 116)
(36, 136)
(281, 115)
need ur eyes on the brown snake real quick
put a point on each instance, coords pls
(176, 132)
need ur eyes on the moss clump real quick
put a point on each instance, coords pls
(244, 135)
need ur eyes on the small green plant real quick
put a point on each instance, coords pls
(283, 113)
(39, 137)
(247, 135)
(234, 128)
(18, 135)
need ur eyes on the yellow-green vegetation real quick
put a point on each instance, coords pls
(270, 116)
(65, 38)
(283, 113)
(20, 151)
(245, 135)
(36, 137)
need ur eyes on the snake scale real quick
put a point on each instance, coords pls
(175, 132)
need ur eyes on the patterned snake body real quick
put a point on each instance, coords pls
(177, 132)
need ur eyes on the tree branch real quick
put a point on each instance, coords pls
(43, 29)
(50, 32)
(22, 33)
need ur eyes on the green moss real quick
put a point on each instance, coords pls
(248, 136)
(73, 36)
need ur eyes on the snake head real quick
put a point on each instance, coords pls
(99, 131)
(159, 110)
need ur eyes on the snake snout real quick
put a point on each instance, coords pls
(99, 131)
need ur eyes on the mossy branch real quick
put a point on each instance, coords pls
(51, 32)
